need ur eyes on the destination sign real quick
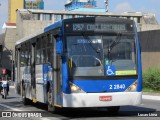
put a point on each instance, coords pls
(99, 27)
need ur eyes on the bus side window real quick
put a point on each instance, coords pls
(16, 57)
(38, 51)
(50, 48)
(27, 54)
(43, 51)
(22, 56)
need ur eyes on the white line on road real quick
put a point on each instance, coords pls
(12, 86)
(53, 118)
(151, 97)
(11, 108)
(45, 119)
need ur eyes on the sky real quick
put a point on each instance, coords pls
(118, 6)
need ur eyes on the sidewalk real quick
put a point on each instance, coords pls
(151, 96)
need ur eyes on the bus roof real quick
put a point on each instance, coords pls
(53, 26)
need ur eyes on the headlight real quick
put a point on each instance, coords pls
(133, 87)
(75, 89)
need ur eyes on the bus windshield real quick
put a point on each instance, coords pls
(89, 55)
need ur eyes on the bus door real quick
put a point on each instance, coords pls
(57, 73)
(17, 73)
(33, 80)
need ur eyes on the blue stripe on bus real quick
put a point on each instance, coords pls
(65, 83)
(53, 26)
(139, 87)
(104, 85)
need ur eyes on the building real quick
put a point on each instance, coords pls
(34, 4)
(144, 21)
(76, 4)
(7, 40)
(85, 6)
(30, 21)
(150, 50)
(13, 5)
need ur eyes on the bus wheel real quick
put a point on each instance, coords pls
(50, 106)
(113, 109)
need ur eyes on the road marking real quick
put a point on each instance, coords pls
(52, 118)
(45, 119)
(151, 97)
(12, 86)
(6, 106)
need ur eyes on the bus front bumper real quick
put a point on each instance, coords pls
(101, 99)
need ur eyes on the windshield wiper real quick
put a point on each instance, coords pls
(114, 43)
(90, 43)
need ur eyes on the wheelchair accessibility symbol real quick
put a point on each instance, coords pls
(110, 70)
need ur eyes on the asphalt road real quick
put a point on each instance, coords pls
(149, 108)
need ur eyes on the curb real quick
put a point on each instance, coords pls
(151, 93)
(151, 97)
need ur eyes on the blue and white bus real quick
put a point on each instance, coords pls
(81, 62)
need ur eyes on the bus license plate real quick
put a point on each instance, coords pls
(105, 98)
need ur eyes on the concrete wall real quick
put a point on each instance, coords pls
(33, 26)
(150, 47)
(150, 27)
(26, 25)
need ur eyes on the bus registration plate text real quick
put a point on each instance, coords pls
(105, 98)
